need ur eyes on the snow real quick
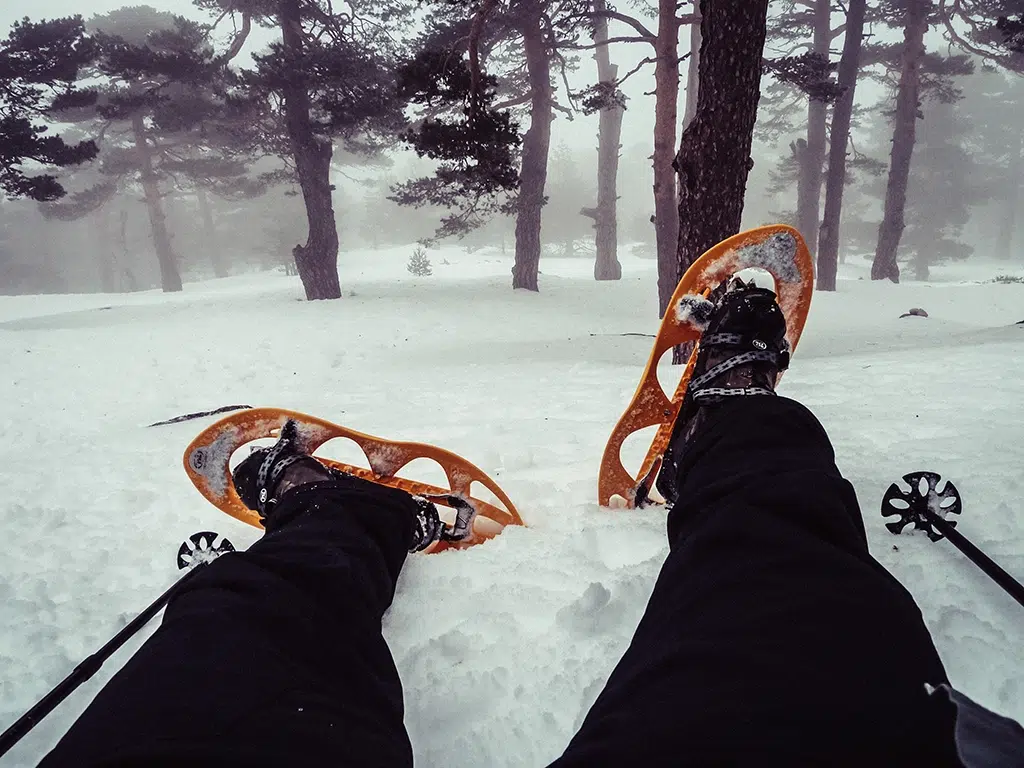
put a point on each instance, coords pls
(777, 254)
(503, 647)
(694, 310)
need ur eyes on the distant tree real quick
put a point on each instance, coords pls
(39, 68)
(916, 18)
(454, 81)
(609, 102)
(462, 122)
(419, 263)
(567, 186)
(986, 127)
(942, 190)
(714, 158)
(330, 77)
(1003, 157)
(160, 117)
(664, 42)
(6, 251)
(806, 26)
(973, 28)
(835, 182)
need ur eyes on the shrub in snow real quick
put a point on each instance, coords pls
(419, 264)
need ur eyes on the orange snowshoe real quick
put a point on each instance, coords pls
(777, 249)
(207, 464)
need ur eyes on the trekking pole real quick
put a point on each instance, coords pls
(200, 554)
(926, 507)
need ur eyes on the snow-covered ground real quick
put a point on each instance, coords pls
(501, 648)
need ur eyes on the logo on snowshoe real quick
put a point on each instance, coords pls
(198, 459)
(760, 344)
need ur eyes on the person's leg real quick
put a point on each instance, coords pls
(772, 637)
(273, 656)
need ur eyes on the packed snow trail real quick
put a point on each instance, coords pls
(501, 648)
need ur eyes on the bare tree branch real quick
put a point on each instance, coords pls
(609, 41)
(947, 16)
(513, 102)
(560, 108)
(631, 21)
(239, 40)
(634, 70)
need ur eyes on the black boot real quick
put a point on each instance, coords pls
(742, 351)
(267, 475)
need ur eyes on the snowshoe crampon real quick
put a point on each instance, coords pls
(207, 464)
(777, 249)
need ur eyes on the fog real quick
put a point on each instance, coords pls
(955, 209)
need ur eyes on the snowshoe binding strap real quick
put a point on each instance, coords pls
(429, 526)
(756, 333)
(260, 492)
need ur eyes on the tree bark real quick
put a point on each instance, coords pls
(849, 66)
(666, 99)
(220, 266)
(904, 133)
(606, 265)
(534, 171)
(714, 156)
(317, 260)
(170, 278)
(808, 207)
(1008, 221)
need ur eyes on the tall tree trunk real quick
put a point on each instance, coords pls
(904, 133)
(1008, 221)
(170, 278)
(220, 266)
(606, 266)
(808, 207)
(666, 99)
(317, 260)
(714, 155)
(534, 172)
(849, 66)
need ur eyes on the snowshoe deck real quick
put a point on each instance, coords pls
(207, 464)
(777, 249)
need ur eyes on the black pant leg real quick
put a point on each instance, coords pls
(270, 657)
(772, 637)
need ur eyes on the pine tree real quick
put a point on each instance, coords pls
(39, 67)
(419, 263)
(331, 77)
(476, 138)
(164, 121)
(567, 187)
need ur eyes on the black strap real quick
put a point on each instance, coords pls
(710, 392)
(725, 366)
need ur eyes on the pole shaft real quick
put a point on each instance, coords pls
(1013, 587)
(87, 668)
